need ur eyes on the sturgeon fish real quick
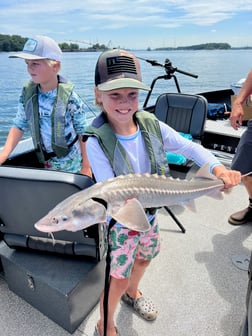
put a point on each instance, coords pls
(125, 199)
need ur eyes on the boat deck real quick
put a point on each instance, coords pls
(194, 282)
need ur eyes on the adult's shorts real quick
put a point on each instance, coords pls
(242, 160)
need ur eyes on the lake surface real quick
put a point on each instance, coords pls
(216, 70)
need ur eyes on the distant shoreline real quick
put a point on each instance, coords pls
(190, 48)
(206, 46)
(159, 49)
(15, 43)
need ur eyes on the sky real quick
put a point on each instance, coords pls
(132, 24)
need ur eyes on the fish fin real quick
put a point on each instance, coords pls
(190, 205)
(133, 216)
(216, 195)
(204, 172)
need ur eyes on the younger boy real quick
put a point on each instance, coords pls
(51, 109)
(124, 140)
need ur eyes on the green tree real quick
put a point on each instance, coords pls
(12, 42)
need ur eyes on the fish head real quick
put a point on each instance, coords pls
(75, 218)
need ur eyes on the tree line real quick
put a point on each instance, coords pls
(204, 46)
(16, 42)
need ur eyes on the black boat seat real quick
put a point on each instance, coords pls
(26, 195)
(185, 113)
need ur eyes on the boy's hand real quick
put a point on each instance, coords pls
(230, 177)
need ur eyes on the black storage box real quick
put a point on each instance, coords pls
(64, 288)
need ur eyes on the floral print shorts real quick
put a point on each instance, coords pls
(67, 165)
(127, 245)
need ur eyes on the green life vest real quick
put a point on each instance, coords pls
(30, 101)
(116, 154)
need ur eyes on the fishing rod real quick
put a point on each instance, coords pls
(90, 108)
(170, 70)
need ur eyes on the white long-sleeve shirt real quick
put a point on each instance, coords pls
(135, 147)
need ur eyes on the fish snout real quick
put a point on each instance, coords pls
(51, 223)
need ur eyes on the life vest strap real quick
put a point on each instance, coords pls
(50, 155)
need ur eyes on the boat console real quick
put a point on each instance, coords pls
(222, 139)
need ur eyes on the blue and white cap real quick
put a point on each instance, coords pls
(40, 47)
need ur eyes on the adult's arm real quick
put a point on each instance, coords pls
(237, 110)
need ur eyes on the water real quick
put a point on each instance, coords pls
(216, 70)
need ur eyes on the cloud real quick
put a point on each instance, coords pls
(64, 19)
(115, 11)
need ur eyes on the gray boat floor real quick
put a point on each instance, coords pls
(193, 281)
